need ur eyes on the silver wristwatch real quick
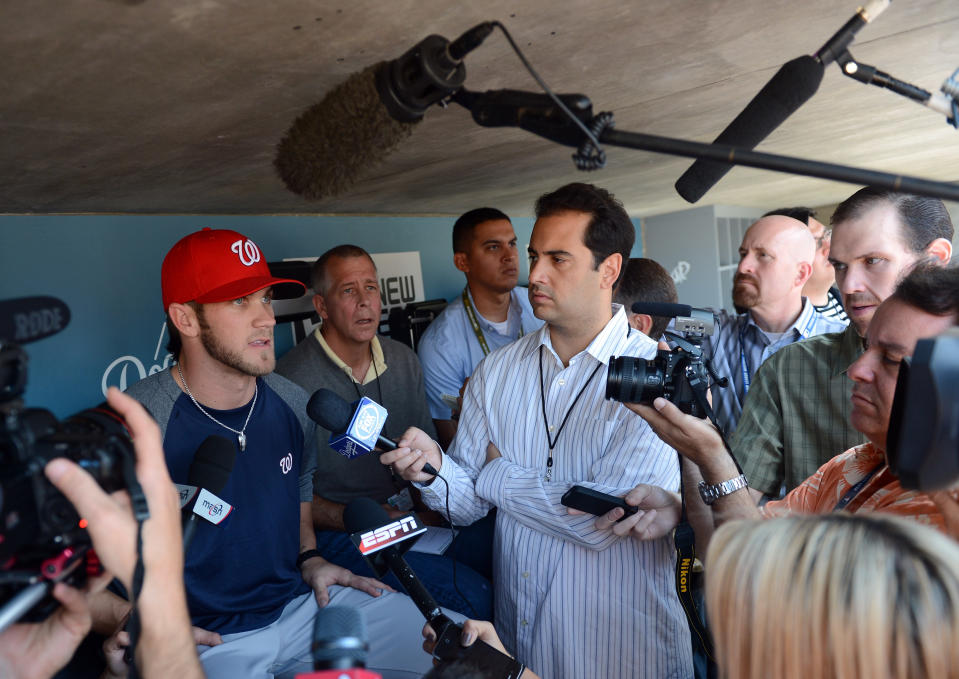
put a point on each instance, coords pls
(710, 492)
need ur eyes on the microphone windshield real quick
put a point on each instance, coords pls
(333, 143)
(363, 514)
(339, 639)
(212, 464)
(329, 411)
(792, 86)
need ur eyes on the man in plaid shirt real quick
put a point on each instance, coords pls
(796, 416)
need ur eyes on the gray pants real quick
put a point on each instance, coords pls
(282, 649)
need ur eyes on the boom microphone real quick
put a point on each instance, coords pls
(361, 121)
(334, 414)
(791, 87)
(209, 471)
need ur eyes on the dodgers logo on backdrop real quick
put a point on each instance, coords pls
(247, 251)
(286, 463)
(368, 421)
(125, 370)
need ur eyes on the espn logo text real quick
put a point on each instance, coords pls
(390, 534)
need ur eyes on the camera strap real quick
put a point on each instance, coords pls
(684, 538)
(141, 512)
(133, 624)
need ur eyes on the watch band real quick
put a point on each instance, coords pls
(712, 492)
(308, 554)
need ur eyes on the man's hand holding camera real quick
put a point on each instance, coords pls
(697, 439)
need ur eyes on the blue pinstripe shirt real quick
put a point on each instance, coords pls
(571, 601)
(738, 347)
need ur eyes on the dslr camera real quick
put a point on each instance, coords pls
(42, 539)
(681, 375)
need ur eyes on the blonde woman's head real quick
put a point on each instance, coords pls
(834, 597)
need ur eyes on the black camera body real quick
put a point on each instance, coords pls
(680, 375)
(922, 444)
(636, 380)
(41, 537)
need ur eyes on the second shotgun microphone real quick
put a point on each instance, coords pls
(210, 470)
(334, 414)
(791, 87)
(664, 309)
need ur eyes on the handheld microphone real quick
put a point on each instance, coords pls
(791, 87)
(382, 541)
(340, 645)
(354, 429)
(209, 472)
(362, 120)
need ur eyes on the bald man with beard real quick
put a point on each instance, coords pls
(775, 261)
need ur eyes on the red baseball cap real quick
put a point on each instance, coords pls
(218, 265)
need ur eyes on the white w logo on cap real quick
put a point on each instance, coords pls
(247, 251)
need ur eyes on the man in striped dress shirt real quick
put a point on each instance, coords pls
(571, 601)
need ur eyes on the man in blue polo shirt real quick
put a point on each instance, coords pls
(255, 578)
(490, 313)
(775, 261)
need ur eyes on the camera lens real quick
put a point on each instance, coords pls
(634, 380)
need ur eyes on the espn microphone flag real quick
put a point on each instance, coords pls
(391, 534)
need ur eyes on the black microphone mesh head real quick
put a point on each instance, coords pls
(339, 638)
(661, 309)
(333, 143)
(362, 514)
(212, 464)
(792, 86)
(328, 410)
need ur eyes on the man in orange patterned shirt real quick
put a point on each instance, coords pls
(925, 304)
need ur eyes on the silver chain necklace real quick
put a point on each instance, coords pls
(240, 435)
